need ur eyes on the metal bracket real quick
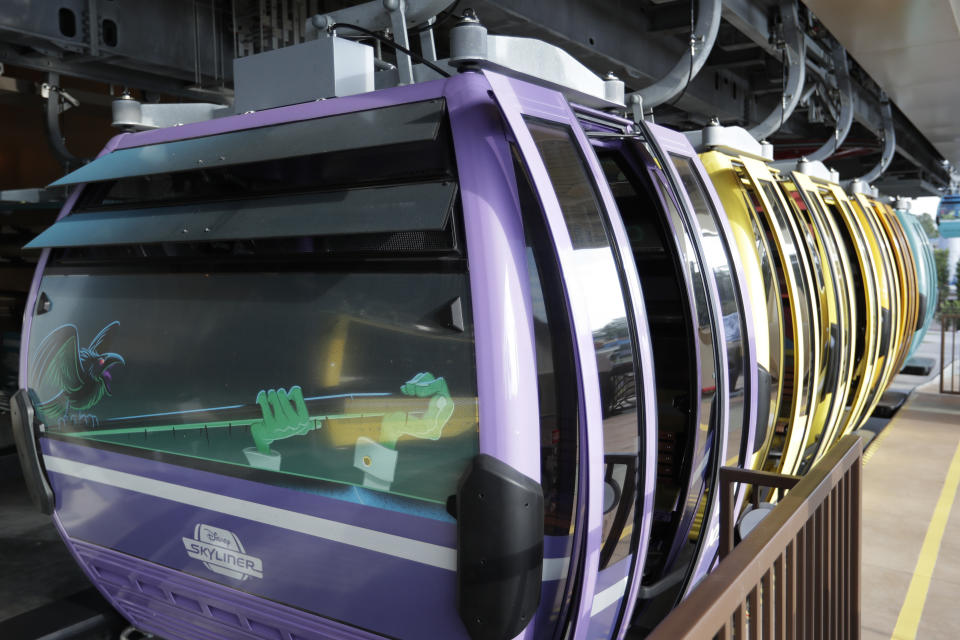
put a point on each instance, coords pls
(375, 15)
(889, 142)
(795, 50)
(689, 65)
(380, 15)
(69, 100)
(132, 115)
(845, 119)
(732, 475)
(636, 107)
(51, 122)
(398, 23)
(428, 47)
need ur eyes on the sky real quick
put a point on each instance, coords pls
(925, 205)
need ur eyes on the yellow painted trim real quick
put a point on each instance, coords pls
(908, 622)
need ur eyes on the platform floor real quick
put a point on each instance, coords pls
(911, 519)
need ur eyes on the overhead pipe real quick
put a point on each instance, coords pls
(845, 119)
(889, 143)
(690, 63)
(796, 72)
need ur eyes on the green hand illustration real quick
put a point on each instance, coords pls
(430, 425)
(284, 415)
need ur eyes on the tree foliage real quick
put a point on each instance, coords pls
(940, 257)
(928, 224)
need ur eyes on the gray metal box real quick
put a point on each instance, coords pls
(324, 68)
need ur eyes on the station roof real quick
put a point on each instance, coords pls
(912, 50)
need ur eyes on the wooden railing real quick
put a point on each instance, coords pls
(797, 574)
(949, 357)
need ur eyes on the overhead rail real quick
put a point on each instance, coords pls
(704, 34)
(797, 574)
(795, 52)
(845, 118)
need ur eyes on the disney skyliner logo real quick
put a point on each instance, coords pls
(222, 552)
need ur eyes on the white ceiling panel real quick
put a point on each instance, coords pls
(912, 49)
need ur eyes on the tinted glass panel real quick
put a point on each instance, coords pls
(409, 208)
(709, 413)
(338, 359)
(831, 296)
(949, 209)
(401, 124)
(772, 287)
(559, 404)
(354, 379)
(794, 262)
(718, 257)
(598, 278)
(853, 245)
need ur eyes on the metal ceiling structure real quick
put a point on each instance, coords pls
(775, 66)
(912, 50)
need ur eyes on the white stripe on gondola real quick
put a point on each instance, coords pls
(608, 596)
(406, 548)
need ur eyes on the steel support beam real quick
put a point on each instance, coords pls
(752, 19)
(378, 15)
(106, 72)
(167, 43)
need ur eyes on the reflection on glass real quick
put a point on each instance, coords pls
(668, 310)
(830, 279)
(709, 415)
(559, 400)
(885, 294)
(772, 286)
(598, 278)
(348, 379)
(788, 404)
(718, 258)
(805, 310)
(860, 265)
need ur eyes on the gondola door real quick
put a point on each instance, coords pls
(605, 306)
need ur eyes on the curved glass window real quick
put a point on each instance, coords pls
(734, 325)
(340, 361)
(683, 355)
(559, 402)
(598, 276)
(350, 378)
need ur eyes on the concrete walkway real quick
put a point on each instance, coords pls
(911, 520)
